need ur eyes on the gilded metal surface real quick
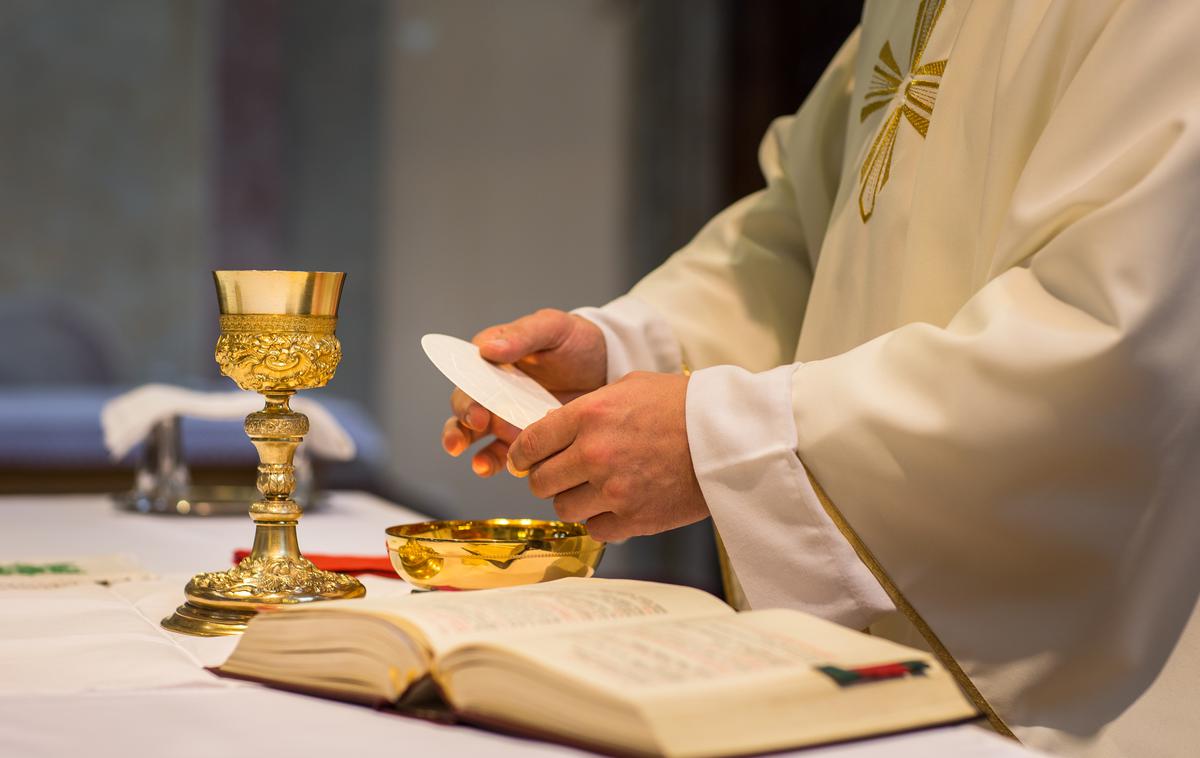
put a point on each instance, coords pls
(279, 357)
(275, 579)
(279, 292)
(203, 621)
(277, 322)
(277, 336)
(276, 479)
(260, 424)
(483, 554)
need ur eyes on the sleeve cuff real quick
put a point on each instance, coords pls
(636, 337)
(784, 549)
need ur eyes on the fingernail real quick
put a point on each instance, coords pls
(508, 464)
(497, 344)
(466, 419)
(481, 466)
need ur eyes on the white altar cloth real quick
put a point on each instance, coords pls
(88, 671)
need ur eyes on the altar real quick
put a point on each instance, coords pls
(88, 669)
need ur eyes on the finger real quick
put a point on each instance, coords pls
(543, 439)
(578, 503)
(513, 469)
(472, 414)
(608, 527)
(504, 430)
(487, 462)
(470, 435)
(558, 473)
(508, 343)
(475, 418)
(455, 439)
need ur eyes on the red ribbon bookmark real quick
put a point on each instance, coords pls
(845, 677)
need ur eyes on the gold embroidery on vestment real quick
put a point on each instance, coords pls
(916, 106)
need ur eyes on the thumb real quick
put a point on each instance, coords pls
(508, 343)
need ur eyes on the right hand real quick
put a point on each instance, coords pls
(565, 353)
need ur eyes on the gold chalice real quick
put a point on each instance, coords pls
(277, 337)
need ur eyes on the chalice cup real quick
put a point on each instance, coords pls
(277, 337)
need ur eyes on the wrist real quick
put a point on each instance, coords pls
(636, 338)
(593, 348)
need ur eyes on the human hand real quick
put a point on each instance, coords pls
(617, 458)
(565, 353)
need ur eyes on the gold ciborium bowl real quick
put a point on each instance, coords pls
(489, 553)
(277, 337)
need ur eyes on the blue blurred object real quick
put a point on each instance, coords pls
(60, 428)
(56, 430)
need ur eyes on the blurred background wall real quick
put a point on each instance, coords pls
(487, 218)
(104, 154)
(464, 161)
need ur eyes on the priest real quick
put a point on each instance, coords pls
(939, 377)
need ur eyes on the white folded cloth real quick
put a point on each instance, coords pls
(129, 417)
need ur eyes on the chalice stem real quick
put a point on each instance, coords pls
(275, 540)
(276, 432)
(275, 573)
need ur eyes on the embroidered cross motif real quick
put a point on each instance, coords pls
(920, 90)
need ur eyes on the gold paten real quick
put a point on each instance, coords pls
(484, 554)
(277, 337)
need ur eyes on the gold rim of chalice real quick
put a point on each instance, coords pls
(488, 553)
(279, 293)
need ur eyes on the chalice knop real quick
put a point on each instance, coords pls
(277, 337)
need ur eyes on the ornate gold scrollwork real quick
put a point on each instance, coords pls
(274, 353)
(262, 424)
(276, 480)
(277, 575)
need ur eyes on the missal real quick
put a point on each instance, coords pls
(618, 666)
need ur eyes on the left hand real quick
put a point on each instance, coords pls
(617, 458)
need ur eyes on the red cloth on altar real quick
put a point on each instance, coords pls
(376, 565)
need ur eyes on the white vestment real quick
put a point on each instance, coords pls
(968, 304)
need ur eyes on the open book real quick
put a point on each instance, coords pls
(616, 665)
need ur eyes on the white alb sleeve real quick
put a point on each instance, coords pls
(784, 549)
(635, 336)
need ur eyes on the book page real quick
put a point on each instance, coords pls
(704, 649)
(705, 686)
(446, 618)
(654, 653)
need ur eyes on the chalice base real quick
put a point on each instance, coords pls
(199, 621)
(222, 603)
(274, 575)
